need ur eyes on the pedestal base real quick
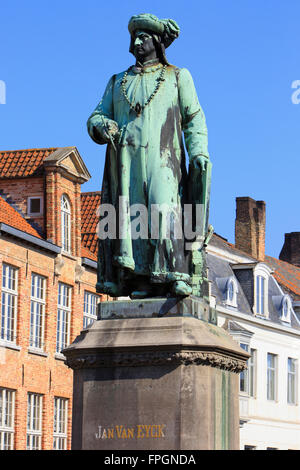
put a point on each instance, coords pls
(155, 383)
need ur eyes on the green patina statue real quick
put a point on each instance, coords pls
(141, 117)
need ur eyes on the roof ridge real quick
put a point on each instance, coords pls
(286, 262)
(30, 149)
(85, 193)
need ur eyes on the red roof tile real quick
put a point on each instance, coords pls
(23, 163)
(90, 202)
(10, 216)
(286, 274)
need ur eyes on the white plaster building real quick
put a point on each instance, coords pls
(257, 302)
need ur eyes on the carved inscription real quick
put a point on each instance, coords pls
(140, 431)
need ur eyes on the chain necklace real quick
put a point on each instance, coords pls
(138, 108)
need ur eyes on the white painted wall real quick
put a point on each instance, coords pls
(271, 423)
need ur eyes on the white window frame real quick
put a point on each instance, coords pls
(7, 418)
(286, 302)
(261, 303)
(37, 311)
(35, 214)
(292, 382)
(252, 364)
(232, 302)
(244, 375)
(9, 304)
(65, 224)
(34, 421)
(64, 309)
(60, 423)
(272, 374)
(90, 304)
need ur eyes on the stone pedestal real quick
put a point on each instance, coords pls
(155, 382)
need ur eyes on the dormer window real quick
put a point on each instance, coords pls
(229, 289)
(231, 292)
(65, 224)
(261, 288)
(286, 306)
(35, 206)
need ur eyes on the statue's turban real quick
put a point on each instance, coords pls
(168, 30)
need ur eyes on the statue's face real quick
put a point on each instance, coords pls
(143, 46)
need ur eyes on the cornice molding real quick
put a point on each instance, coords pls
(152, 358)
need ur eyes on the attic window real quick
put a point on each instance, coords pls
(228, 286)
(260, 287)
(286, 309)
(231, 292)
(35, 206)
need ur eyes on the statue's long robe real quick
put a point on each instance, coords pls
(149, 166)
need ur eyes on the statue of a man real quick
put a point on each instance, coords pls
(141, 117)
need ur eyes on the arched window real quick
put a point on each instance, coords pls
(65, 224)
(261, 275)
(286, 306)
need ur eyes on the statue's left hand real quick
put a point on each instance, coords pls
(200, 162)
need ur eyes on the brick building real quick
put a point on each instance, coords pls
(48, 276)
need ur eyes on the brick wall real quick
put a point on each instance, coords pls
(23, 370)
(19, 189)
(291, 249)
(250, 227)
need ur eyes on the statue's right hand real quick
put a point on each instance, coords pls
(111, 129)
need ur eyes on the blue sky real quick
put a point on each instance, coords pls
(57, 56)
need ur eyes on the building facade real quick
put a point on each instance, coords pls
(48, 277)
(48, 261)
(256, 298)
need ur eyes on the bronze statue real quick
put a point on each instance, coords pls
(142, 115)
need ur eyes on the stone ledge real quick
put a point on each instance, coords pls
(155, 341)
(150, 358)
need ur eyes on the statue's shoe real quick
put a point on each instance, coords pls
(109, 288)
(140, 294)
(181, 288)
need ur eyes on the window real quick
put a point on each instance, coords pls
(252, 373)
(286, 309)
(7, 410)
(37, 311)
(261, 289)
(271, 376)
(89, 308)
(291, 381)
(63, 316)
(247, 447)
(244, 374)
(60, 423)
(260, 295)
(35, 206)
(34, 421)
(9, 303)
(231, 292)
(228, 286)
(65, 224)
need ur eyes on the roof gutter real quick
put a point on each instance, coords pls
(90, 263)
(4, 228)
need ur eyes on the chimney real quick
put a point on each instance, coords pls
(250, 227)
(291, 249)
